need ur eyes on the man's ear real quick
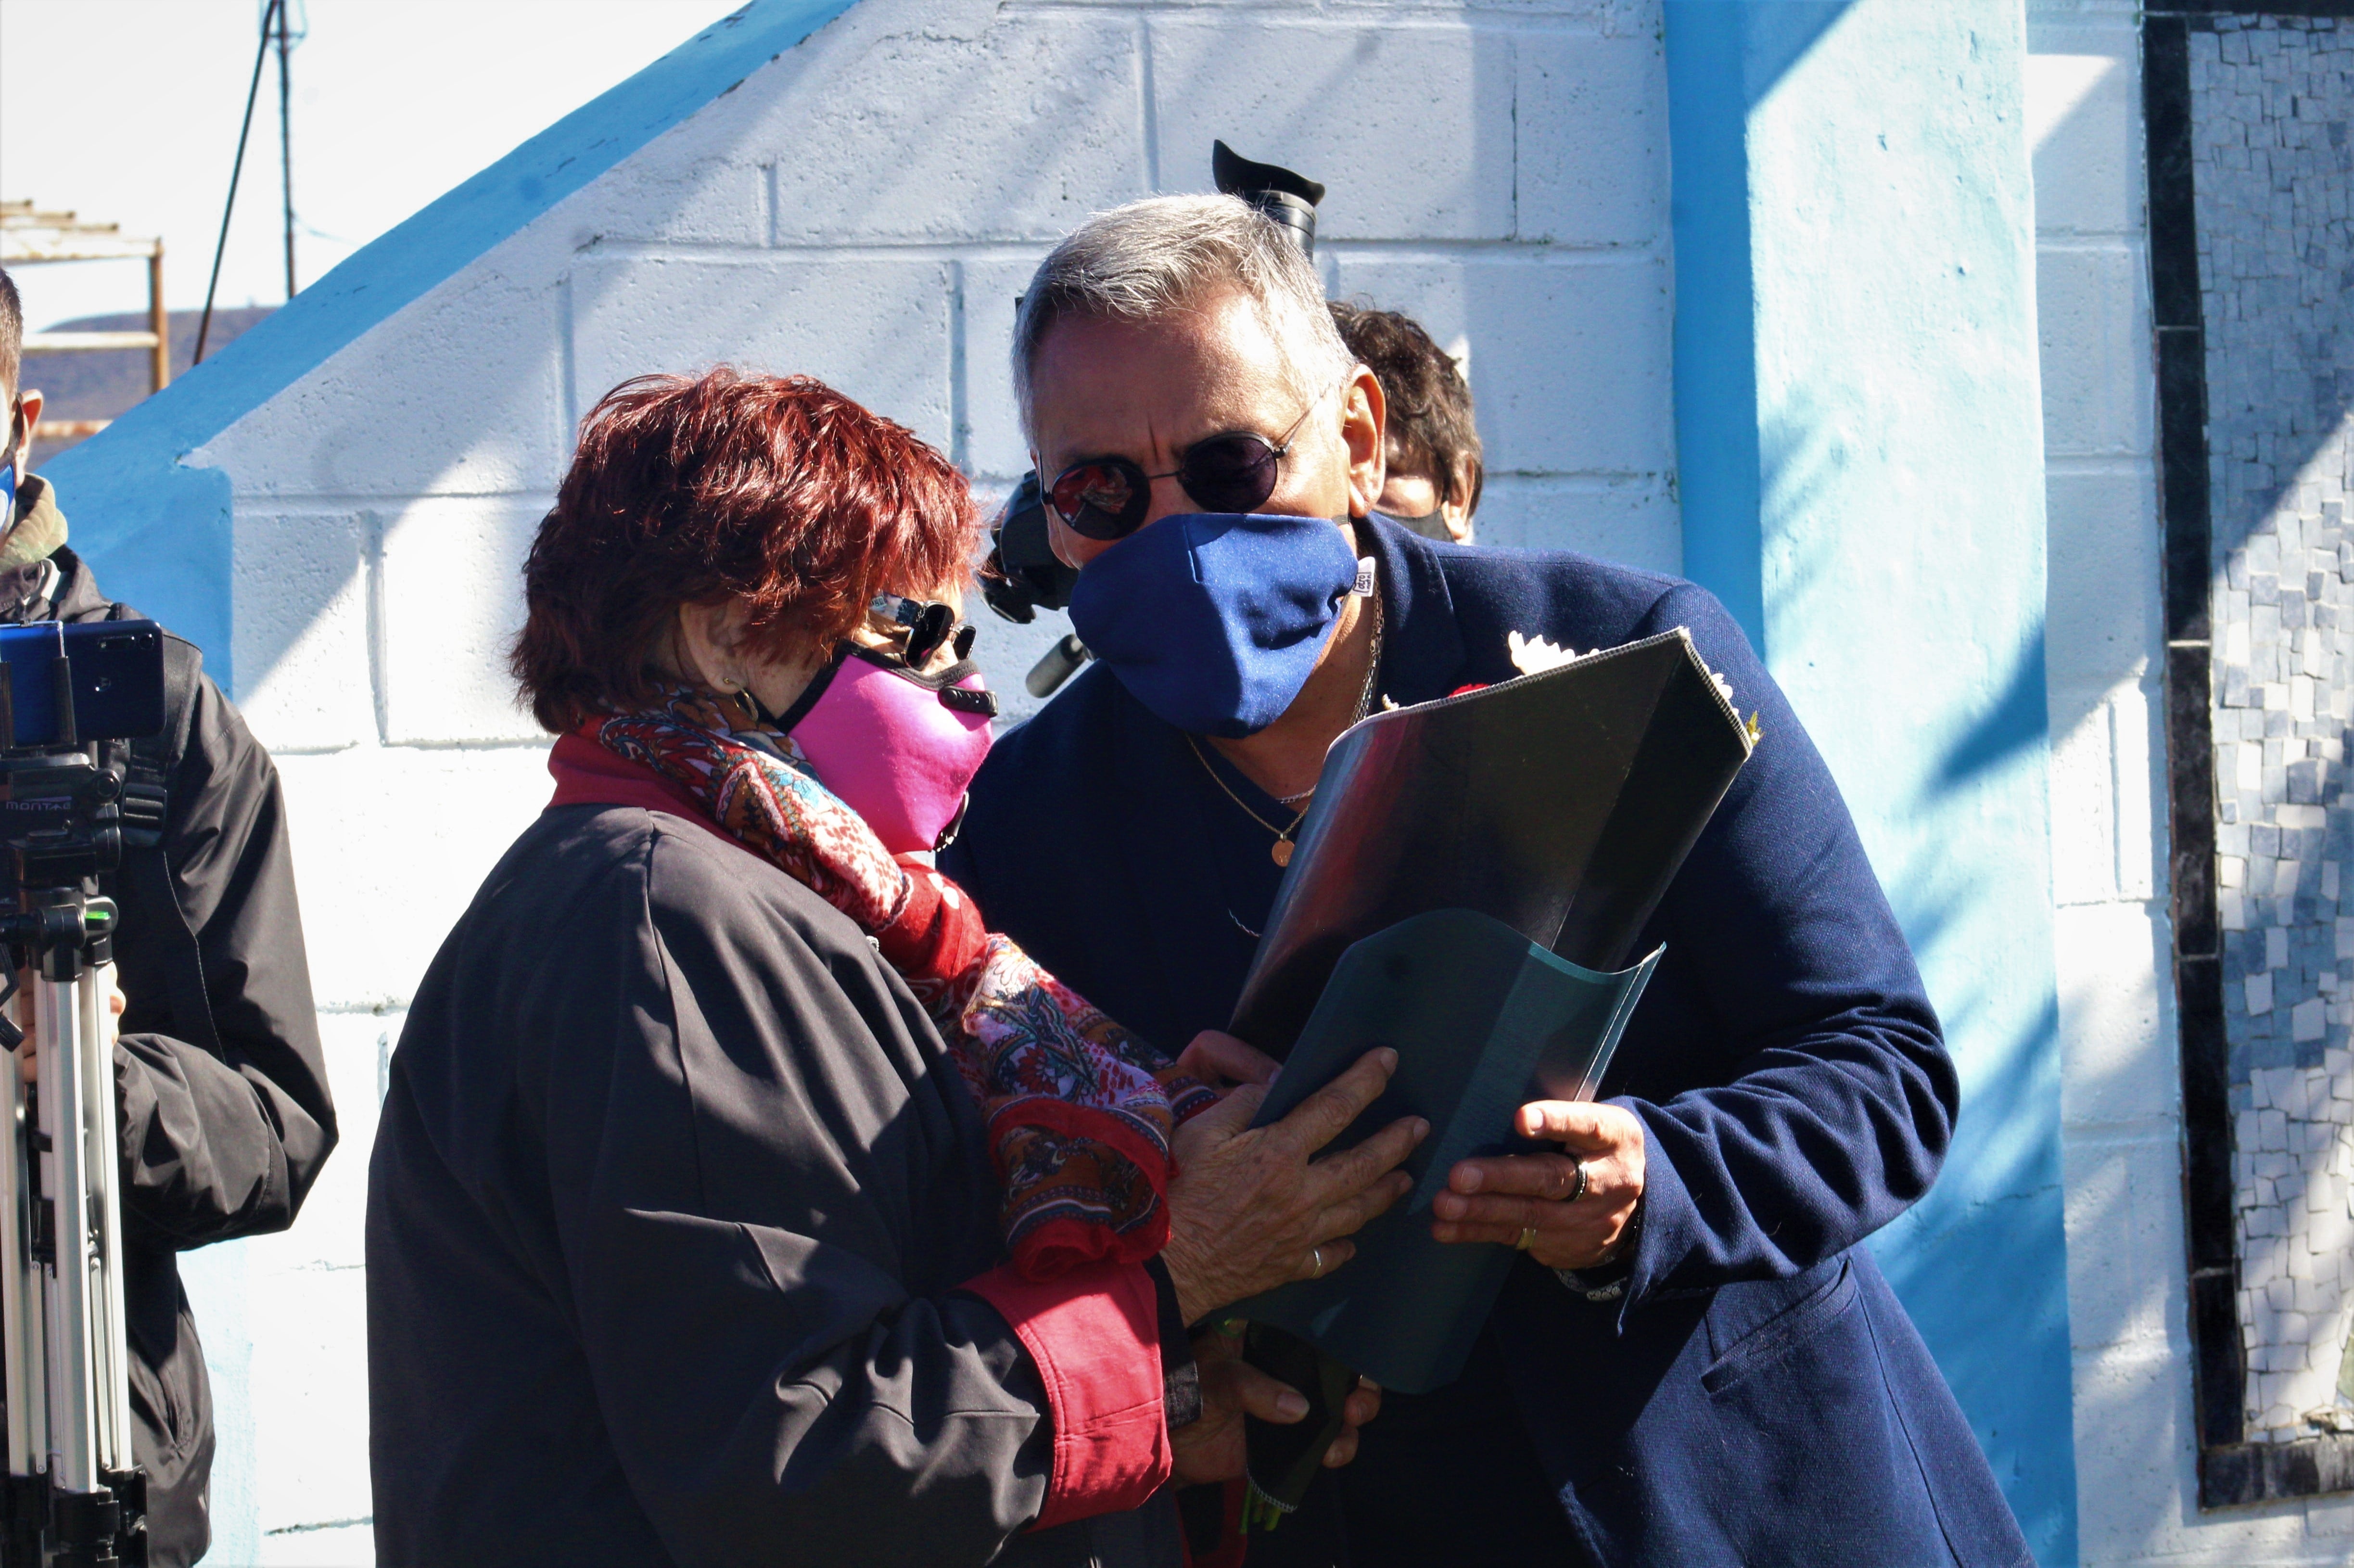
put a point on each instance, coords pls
(1364, 426)
(29, 410)
(1456, 506)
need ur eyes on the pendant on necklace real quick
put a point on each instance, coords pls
(1281, 852)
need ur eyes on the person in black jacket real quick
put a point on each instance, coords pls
(737, 1198)
(219, 1080)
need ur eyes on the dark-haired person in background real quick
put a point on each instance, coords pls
(218, 1077)
(1434, 474)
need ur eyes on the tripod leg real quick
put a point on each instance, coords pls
(109, 1336)
(95, 1497)
(65, 1116)
(68, 1460)
(23, 1321)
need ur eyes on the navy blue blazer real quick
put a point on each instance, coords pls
(1757, 1395)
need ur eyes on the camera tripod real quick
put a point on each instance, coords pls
(73, 1498)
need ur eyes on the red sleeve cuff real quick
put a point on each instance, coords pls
(1095, 1334)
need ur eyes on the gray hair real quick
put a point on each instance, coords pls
(1164, 256)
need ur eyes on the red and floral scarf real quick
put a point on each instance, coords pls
(1079, 1110)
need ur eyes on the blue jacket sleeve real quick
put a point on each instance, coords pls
(1829, 1100)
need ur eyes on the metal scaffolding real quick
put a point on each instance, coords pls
(29, 236)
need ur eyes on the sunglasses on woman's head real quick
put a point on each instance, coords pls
(930, 626)
(1107, 498)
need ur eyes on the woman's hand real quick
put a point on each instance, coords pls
(28, 1052)
(1498, 1199)
(1250, 1209)
(1210, 1450)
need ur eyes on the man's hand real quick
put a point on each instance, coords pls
(1500, 1198)
(1252, 1208)
(1210, 1450)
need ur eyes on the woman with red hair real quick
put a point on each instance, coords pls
(739, 1196)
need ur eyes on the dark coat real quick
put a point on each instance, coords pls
(1757, 1395)
(219, 1080)
(672, 1197)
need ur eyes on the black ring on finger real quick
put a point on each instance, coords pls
(1579, 1191)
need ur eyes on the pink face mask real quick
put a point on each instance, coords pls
(900, 749)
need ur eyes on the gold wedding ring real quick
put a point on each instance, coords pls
(1316, 1262)
(1528, 1234)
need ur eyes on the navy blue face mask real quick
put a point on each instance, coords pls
(1214, 619)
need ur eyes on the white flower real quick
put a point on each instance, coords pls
(1535, 655)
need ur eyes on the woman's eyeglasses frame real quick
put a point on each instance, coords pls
(930, 625)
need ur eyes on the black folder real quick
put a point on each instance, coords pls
(1561, 803)
(1468, 884)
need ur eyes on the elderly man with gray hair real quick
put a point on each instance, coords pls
(1697, 1362)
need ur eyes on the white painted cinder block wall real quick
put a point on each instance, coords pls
(2135, 1442)
(864, 208)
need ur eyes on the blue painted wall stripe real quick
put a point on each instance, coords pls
(1860, 444)
(1715, 320)
(157, 533)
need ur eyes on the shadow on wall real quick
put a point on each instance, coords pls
(1718, 74)
(1882, 307)
(2002, 1178)
(2015, 724)
(2012, 1179)
(1996, 1195)
(1780, 35)
(1955, 769)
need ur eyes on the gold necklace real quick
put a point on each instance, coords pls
(1280, 851)
(1372, 667)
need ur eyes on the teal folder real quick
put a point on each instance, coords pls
(1483, 1020)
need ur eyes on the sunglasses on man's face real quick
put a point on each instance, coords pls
(1107, 498)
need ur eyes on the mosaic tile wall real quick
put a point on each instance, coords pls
(2272, 100)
